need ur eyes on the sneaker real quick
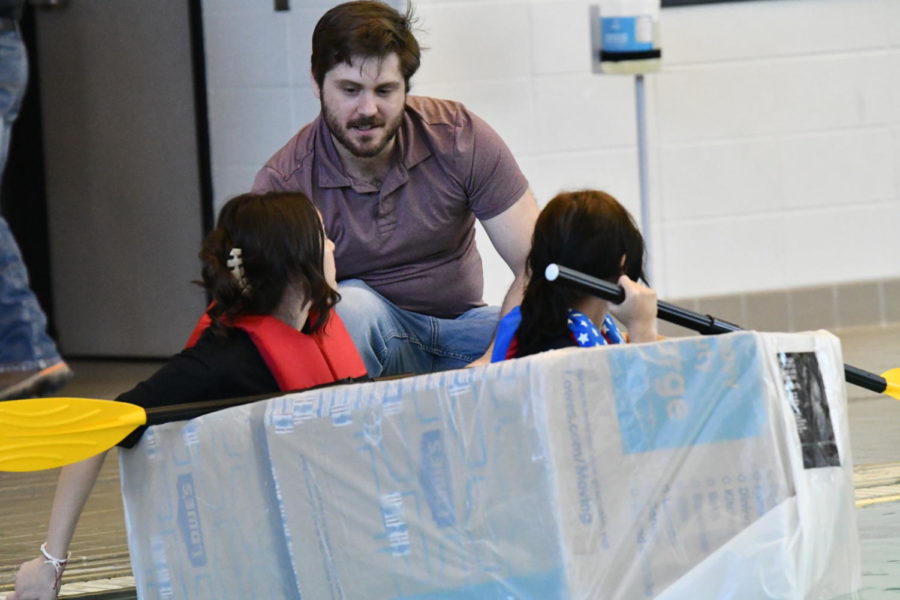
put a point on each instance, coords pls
(34, 384)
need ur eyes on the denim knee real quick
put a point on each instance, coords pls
(359, 301)
(366, 316)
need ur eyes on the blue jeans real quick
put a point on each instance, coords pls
(393, 341)
(24, 343)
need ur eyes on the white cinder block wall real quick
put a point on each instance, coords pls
(774, 125)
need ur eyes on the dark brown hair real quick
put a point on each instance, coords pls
(282, 243)
(364, 28)
(589, 231)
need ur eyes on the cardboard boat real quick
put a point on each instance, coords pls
(706, 467)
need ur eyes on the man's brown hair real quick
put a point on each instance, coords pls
(365, 28)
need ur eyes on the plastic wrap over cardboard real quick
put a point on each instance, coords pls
(715, 467)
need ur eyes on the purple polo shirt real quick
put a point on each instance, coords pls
(412, 239)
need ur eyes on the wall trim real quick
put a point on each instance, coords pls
(834, 306)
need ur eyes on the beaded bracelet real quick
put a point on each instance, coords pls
(59, 564)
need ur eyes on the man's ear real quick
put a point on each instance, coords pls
(315, 87)
(622, 262)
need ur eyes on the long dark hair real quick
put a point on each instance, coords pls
(589, 231)
(281, 241)
(364, 29)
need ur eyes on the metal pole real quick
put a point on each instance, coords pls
(640, 104)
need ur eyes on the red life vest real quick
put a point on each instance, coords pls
(298, 360)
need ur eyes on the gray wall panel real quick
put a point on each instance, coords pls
(122, 176)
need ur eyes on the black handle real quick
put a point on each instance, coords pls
(705, 324)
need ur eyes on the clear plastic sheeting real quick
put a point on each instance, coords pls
(715, 467)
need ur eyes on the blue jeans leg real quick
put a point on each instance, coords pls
(393, 341)
(465, 338)
(24, 343)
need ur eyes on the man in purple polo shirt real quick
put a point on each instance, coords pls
(399, 181)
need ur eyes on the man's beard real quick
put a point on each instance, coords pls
(342, 133)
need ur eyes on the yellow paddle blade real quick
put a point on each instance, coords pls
(892, 377)
(44, 433)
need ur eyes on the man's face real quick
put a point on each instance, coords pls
(363, 104)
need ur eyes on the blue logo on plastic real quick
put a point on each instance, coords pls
(340, 413)
(677, 395)
(394, 524)
(189, 520)
(627, 34)
(435, 479)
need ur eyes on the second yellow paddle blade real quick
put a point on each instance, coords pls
(892, 377)
(44, 433)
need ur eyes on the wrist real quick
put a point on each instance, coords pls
(643, 333)
(58, 564)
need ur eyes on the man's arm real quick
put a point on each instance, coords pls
(510, 233)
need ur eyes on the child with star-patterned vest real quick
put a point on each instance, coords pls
(588, 231)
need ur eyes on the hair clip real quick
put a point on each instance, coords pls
(236, 264)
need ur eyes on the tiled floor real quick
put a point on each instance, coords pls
(99, 551)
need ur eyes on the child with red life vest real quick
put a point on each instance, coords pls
(270, 270)
(588, 231)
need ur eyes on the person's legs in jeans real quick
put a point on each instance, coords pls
(26, 345)
(29, 361)
(393, 341)
(465, 338)
(388, 339)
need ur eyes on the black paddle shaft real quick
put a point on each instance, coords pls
(191, 410)
(704, 324)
